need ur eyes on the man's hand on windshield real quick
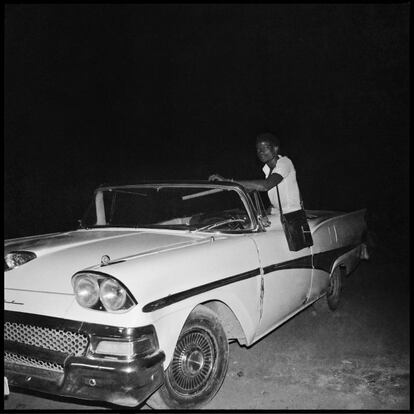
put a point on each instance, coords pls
(217, 177)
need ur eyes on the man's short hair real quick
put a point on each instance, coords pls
(268, 137)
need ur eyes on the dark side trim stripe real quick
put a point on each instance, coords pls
(304, 262)
(176, 297)
(325, 260)
(322, 261)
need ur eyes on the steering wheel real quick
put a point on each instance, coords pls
(205, 219)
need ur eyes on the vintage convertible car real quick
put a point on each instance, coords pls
(140, 303)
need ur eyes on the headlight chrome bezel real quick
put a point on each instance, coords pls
(101, 280)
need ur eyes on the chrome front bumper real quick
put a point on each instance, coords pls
(125, 382)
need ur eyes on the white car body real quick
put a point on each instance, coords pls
(250, 279)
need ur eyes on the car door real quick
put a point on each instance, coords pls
(286, 276)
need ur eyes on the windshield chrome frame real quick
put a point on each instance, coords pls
(225, 185)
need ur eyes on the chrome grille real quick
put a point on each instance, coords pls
(71, 343)
(31, 362)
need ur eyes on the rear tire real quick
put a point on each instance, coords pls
(334, 289)
(198, 366)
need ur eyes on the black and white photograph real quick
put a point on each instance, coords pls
(206, 206)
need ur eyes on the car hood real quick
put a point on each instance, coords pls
(60, 255)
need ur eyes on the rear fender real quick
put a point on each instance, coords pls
(349, 260)
(338, 231)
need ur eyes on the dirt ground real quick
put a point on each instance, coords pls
(354, 358)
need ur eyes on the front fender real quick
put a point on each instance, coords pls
(168, 285)
(242, 299)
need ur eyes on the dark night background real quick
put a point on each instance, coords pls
(121, 93)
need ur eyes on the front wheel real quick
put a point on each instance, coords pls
(198, 366)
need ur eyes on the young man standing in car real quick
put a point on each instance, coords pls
(279, 172)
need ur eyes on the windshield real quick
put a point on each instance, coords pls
(203, 208)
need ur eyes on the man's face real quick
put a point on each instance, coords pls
(266, 151)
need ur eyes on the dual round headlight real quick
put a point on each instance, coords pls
(101, 292)
(113, 296)
(86, 290)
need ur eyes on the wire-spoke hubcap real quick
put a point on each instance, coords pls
(192, 362)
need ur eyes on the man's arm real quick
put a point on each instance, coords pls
(259, 185)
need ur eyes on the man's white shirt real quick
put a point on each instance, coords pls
(288, 187)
